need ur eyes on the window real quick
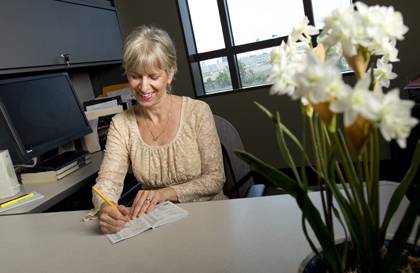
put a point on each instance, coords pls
(229, 41)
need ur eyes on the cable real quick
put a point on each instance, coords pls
(34, 162)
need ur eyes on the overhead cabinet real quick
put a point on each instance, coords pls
(48, 34)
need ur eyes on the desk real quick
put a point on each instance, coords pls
(244, 235)
(57, 191)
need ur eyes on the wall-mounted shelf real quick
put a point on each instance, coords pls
(48, 34)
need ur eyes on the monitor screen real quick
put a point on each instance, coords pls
(44, 111)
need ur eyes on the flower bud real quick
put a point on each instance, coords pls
(359, 62)
(324, 112)
(357, 134)
(320, 52)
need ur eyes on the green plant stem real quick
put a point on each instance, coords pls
(331, 174)
(350, 215)
(367, 163)
(367, 241)
(343, 182)
(370, 162)
(416, 239)
(349, 170)
(326, 197)
(285, 150)
(317, 152)
(289, 134)
(355, 217)
(325, 143)
(377, 242)
(303, 153)
(339, 172)
(308, 238)
(360, 171)
(375, 179)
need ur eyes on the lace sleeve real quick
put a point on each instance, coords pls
(212, 176)
(115, 163)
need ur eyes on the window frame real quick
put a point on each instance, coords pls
(230, 51)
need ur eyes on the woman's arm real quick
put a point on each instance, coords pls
(115, 163)
(212, 176)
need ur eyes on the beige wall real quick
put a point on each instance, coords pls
(255, 129)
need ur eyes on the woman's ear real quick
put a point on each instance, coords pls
(171, 74)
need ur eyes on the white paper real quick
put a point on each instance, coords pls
(125, 94)
(164, 213)
(102, 105)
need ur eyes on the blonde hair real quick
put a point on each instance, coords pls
(149, 48)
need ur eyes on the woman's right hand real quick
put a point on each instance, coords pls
(112, 220)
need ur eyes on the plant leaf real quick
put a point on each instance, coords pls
(308, 238)
(287, 156)
(287, 132)
(401, 190)
(346, 205)
(276, 121)
(275, 176)
(266, 111)
(321, 232)
(393, 257)
(309, 211)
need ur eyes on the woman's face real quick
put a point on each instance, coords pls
(149, 87)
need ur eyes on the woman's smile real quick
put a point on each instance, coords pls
(145, 96)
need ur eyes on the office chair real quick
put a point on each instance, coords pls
(239, 176)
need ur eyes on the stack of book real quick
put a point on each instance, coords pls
(55, 169)
(99, 113)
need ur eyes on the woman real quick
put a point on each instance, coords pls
(170, 141)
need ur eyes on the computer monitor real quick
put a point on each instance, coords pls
(41, 113)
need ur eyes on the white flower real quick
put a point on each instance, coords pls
(287, 60)
(361, 101)
(374, 28)
(383, 72)
(320, 82)
(382, 26)
(298, 72)
(339, 30)
(387, 49)
(382, 21)
(302, 32)
(387, 111)
(396, 121)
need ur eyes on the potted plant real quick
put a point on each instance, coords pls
(345, 124)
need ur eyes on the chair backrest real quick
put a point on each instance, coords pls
(235, 168)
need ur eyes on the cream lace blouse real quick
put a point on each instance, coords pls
(191, 163)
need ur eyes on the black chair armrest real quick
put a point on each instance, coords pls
(129, 192)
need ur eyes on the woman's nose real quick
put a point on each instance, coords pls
(144, 83)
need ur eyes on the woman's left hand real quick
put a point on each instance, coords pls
(146, 200)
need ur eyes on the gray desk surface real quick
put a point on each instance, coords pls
(244, 235)
(56, 191)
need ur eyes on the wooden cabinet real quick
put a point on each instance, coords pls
(48, 34)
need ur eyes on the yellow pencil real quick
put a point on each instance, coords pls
(16, 200)
(104, 198)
